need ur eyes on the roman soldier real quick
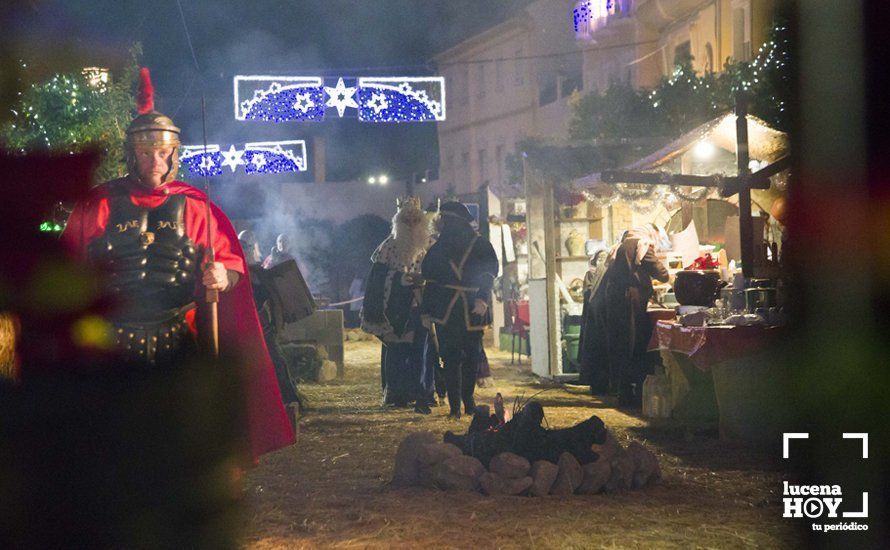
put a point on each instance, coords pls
(459, 270)
(150, 234)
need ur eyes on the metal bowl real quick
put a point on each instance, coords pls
(697, 288)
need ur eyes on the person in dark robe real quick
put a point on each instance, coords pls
(150, 232)
(263, 296)
(459, 270)
(391, 307)
(616, 326)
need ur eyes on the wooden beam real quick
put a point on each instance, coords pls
(746, 225)
(728, 185)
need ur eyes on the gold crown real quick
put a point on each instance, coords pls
(410, 202)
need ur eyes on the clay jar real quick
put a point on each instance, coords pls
(575, 243)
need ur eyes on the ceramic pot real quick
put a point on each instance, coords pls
(575, 243)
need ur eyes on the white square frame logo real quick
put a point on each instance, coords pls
(788, 436)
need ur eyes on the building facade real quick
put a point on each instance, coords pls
(636, 42)
(516, 80)
(510, 82)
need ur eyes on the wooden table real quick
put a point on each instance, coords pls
(722, 376)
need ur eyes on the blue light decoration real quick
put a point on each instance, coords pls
(590, 15)
(401, 99)
(305, 98)
(199, 162)
(268, 157)
(271, 157)
(581, 15)
(279, 98)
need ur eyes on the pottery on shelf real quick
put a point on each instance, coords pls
(575, 243)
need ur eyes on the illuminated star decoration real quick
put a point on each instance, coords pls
(401, 99)
(233, 158)
(304, 103)
(275, 157)
(200, 163)
(279, 98)
(378, 102)
(341, 97)
(305, 98)
(270, 157)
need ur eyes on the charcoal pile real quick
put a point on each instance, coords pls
(522, 457)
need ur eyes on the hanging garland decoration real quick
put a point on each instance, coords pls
(650, 204)
(631, 194)
(694, 196)
(600, 201)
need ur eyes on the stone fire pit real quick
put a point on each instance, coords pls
(422, 459)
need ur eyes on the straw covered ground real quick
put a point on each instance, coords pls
(331, 489)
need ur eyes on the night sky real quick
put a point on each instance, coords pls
(310, 37)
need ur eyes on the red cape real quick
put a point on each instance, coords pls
(239, 327)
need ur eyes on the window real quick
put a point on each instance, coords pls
(462, 84)
(480, 80)
(709, 58)
(548, 92)
(483, 165)
(572, 83)
(499, 163)
(499, 75)
(465, 159)
(519, 67)
(683, 53)
(741, 31)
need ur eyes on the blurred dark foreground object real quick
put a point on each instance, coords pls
(94, 452)
(121, 457)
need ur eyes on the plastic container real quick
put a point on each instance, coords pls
(657, 401)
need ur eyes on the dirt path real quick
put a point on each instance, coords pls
(330, 490)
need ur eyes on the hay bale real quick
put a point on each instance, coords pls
(569, 477)
(596, 474)
(494, 485)
(458, 473)
(327, 372)
(431, 454)
(543, 474)
(509, 465)
(405, 471)
(646, 468)
(303, 361)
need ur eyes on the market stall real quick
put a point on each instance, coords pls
(703, 191)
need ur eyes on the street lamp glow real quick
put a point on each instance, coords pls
(704, 150)
(384, 179)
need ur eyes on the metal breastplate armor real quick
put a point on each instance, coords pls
(152, 265)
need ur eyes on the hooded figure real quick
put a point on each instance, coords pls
(391, 306)
(616, 327)
(459, 271)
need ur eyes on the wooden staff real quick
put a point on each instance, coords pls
(211, 296)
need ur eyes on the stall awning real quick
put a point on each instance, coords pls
(766, 144)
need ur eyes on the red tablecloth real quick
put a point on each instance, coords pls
(708, 345)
